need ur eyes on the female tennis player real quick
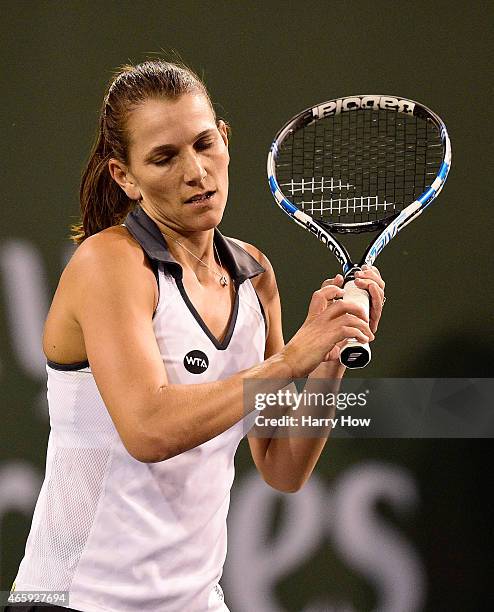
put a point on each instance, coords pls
(157, 323)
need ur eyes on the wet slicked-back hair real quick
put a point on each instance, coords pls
(103, 202)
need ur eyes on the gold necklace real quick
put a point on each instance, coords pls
(222, 277)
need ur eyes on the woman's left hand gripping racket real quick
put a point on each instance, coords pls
(359, 164)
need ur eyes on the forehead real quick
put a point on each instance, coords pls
(165, 121)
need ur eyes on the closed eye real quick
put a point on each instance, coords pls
(204, 144)
(200, 145)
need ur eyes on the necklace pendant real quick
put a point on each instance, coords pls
(223, 281)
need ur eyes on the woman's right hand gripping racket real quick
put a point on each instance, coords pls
(368, 163)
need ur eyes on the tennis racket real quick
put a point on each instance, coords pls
(368, 163)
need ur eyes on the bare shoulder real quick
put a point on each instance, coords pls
(106, 245)
(110, 260)
(113, 248)
(107, 275)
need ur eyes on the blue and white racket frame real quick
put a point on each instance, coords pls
(355, 354)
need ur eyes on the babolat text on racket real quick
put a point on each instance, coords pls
(359, 164)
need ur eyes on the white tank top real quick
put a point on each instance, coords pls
(125, 536)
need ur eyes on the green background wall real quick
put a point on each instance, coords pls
(263, 62)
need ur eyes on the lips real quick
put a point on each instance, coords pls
(200, 197)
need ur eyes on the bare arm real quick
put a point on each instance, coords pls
(155, 419)
(287, 462)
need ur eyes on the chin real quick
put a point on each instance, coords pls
(207, 219)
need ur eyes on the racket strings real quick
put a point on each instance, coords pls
(359, 166)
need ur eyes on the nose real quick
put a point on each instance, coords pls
(194, 171)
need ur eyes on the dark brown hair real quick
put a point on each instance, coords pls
(103, 202)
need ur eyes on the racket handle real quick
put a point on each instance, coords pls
(355, 354)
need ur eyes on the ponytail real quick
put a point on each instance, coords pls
(103, 202)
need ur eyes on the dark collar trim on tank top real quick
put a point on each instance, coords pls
(67, 367)
(240, 264)
(223, 345)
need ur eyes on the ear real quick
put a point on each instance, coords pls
(223, 130)
(121, 175)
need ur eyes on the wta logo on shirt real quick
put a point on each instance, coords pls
(196, 362)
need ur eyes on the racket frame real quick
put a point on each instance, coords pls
(391, 226)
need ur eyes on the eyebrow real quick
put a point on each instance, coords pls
(171, 148)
